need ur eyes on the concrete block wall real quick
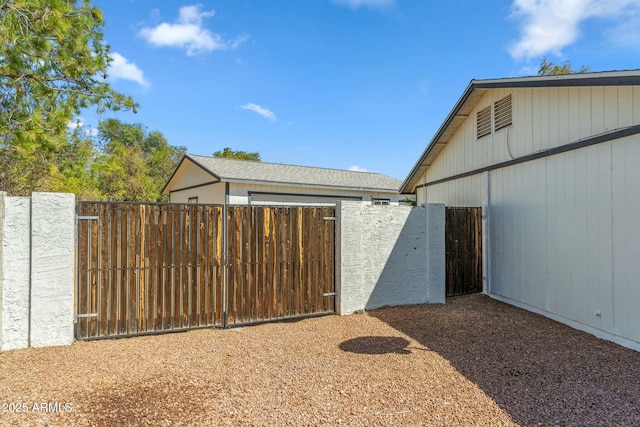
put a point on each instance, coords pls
(37, 253)
(383, 256)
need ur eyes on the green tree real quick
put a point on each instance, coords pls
(71, 168)
(548, 68)
(228, 153)
(133, 165)
(53, 63)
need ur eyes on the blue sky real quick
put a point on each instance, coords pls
(348, 84)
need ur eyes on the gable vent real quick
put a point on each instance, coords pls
(502, 112)
(484, 122)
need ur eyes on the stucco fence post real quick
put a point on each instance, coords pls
(37, 270)
(388, 255)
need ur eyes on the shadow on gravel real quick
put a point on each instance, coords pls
(541, 372)
(376, 345)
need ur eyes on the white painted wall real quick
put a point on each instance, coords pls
(383, 259)
(37, 238)
(212, 194)
(189, 175)
(564, 238)
(543, 118)
(463, 192)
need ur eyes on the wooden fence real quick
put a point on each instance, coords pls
(148, 268)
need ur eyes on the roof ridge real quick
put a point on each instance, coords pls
(287, 164)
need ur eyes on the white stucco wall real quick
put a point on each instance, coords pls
(436, 253)
(382, 256)
(37, 252)
(52, 268)
(15, 233)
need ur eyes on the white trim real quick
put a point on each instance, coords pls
(598, 333)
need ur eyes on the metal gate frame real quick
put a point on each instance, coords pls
(90, 321)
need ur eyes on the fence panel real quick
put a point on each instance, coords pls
(281, 262)
(144, 268)
(148, 268)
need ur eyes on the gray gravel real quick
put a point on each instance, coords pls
(473, 361)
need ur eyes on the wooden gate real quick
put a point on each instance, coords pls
(463, 242)
(153, 268)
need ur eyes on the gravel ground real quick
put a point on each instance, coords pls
(473, 361)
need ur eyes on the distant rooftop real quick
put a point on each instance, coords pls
(229, 170)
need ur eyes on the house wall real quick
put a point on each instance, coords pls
(564, 239)
(239, 194)
(463, 192)
(191, 179)
(562, 235)
(189, 175)
(543, 118)
(212, 193)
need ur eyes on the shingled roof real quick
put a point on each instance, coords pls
(229, 170)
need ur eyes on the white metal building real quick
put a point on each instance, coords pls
(202, 179)
(555, 163)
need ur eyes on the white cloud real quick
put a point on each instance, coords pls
(356, 168)
(79, 124)
(260, 110)
(369, 3)
(189, 33)
(550, 25)
(121, 68)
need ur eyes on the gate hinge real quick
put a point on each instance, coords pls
(329, 218)
(82, 316)
(329, 294)
(81, 217)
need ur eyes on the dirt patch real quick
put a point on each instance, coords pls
(473, 361)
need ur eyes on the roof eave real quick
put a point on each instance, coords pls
(414, 171)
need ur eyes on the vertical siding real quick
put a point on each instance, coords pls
(543, 118)
(626, 237)
(564, 237)
(465, 192)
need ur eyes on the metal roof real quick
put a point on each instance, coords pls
(477, 88)
(228, 170)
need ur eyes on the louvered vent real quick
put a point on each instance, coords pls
(484, 122)
(502, 112)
